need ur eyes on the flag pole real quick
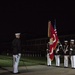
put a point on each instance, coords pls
(49, 24)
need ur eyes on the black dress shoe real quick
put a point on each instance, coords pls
(48, 65)
(73, 68)
(17, 73)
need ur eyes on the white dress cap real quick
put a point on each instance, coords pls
(72, 40)
(17, 33)
(65, 41)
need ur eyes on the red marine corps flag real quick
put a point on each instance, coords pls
(53, 39)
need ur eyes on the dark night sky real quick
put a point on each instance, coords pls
(31, 18)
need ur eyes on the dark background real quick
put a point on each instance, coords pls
(31, 18)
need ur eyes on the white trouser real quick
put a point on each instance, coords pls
(16, 59)
(65, 60)
(73, 61)
(57, 58)
(48, 60)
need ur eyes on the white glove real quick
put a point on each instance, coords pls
(71, 49)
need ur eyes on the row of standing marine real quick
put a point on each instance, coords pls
(67, 50)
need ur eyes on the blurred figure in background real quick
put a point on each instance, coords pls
(57, 53)
(66, 53)
(48, 55)
(72, 53)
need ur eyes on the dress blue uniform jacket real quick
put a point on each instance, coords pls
(16, 46)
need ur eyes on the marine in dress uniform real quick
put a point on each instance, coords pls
(72, 53)
(66, 53)
(16, 45)
(48, 55)
(57, 54)
(50, 51)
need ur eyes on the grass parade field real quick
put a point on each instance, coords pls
(33, 65)
(6, 61)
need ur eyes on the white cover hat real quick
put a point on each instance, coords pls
(72, 40)
(17, 34)
(65, 41)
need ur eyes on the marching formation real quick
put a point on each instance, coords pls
(67, 50)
